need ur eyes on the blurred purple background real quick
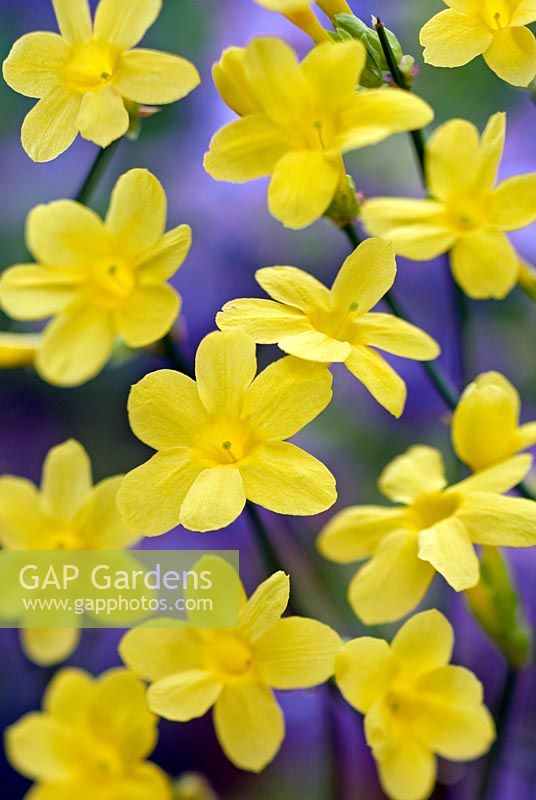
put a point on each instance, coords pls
(233, 236)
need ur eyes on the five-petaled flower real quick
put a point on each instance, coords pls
(416, 705)
(235, 669)
(485, 424)
(67, 513)
(312, 322)
(299, 119)
(495, 29)
(433, 530)
(90, 740)
(87, 76)
(466, 213)
(99, 280)
(220, 440)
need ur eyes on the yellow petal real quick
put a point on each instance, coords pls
(51, 126)
(144, 781)
(451, 718)
(184, 695)
(155, 653)
(484, 424)
(18, 349)
(166, 256)
(514, 202)
(76, 346)
(215, 499)
(526, 435)
(375, 114)
(42, 748)
(393, 582)
(452, 158)
(365, 277)
(500, 521)
(66, 479)
(355, 533)
(286, 396)
(103, 116)
(498, 478)
(384, 384)
(315, 346)
(225, 365)
(147, 315)
(164, 409)
(287, 480)
(69, 695)
(491, 150)
(33, 65)
(302, 187)
(21, 518)
(49, 646)
(74, 20)
(99, 524)
(296, 653)
(265, 606)
(424, 643)
(33, 292)
(284, 6)
(136, 217)
(448, 548)
(398, 337)
(279, 84)
(408, 772)
(124, 22)
(333, 72)
(451, 39)
(246, 149)
(232, 84)
(154, 78)
(419, 470)
(512, 55)
(294, 287)
(265, 321)
(151, 495)
(249, 725)
(66, 234)
(364, 669)
(485, 265)
(524, 12)
(416, 228)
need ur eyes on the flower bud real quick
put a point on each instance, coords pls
(376, 67)
(346, 203)
(232, 83)
(333, 7)
(192, 786)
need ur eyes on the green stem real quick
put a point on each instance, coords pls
(461, 315)
(501, 721)
(96, 171)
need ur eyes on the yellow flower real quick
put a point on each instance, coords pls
(285, 6)
(416, 705)
(299, 119)
(66, 513)
(312, 322)
(485, 425)
(98, 280)
(193, 669)
(466, 213)
(492, 28)
(86, 76)
(90, 740)
(18, 349)
(432, 530)
(221, 440)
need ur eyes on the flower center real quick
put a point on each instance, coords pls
(496, 13)
(225, 441)
(111, 282)
(466, 217)
(429, 509)
(62, 536)
(228, 656)
(337, 324)
(90, 66)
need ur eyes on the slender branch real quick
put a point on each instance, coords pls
(96, 171)
(461, 323)
(267, 550)
(501, 721)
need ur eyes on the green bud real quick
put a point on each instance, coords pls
(345, 205)
(348, 26)
(495, 604)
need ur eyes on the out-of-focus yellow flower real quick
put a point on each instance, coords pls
(299, 119)
(492, 28)
(192, 786)
(312, 322)
(220, 440)
(66, 513)
(485, 425)
(85, 75)
(98, 280)
(416, 705)
(466, 213)
(90, 740)
(433, 530)
(193, 669)
(18, 349)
